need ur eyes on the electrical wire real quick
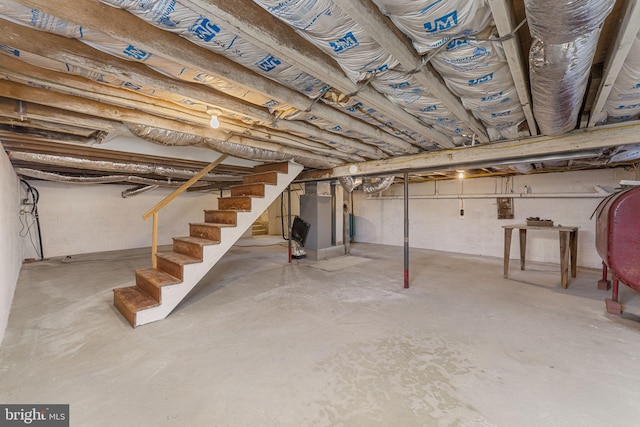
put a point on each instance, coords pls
(34, 195)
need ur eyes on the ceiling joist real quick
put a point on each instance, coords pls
(367, 15)
(505, 22)
(579, 140)
(629, 28)
(125, 27)
(257, 25)
(71, 51)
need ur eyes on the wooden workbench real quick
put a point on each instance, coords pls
(568, 247)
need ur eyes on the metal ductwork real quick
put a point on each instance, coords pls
(369, 186)
(105, 179)
(565, 39)
(377, 185)
(171, 137)
(137, 190)
(349, 183)
(121, 167)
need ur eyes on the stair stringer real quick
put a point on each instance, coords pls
(172, 295)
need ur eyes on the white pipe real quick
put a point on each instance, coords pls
(598, 194)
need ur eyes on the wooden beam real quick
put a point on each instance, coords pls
(368, 16)
(72, 103)
(80, 87)
(9, 108)
(504, 18)
(575, 142)
(56, 47)
(268, 33)
(125, 27)
(629, 28)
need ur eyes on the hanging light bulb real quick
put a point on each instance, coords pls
(214, 123)
(460, 175)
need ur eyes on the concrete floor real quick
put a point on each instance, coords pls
(336, 343)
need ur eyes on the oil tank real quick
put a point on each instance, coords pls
(618, 241)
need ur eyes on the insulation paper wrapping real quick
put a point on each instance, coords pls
(171, 137)
(559, 75)
(477, 72)
(471, 65)
(23, 15)
(332, 127)
(215, 35)
(325, 25)
(558, 22)
(372, 116)
(357, 109)
(431, 23)
(404, 90)
(624, 100)
(625, 153)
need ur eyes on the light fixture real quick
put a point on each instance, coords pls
(460, 175)
(214, 122)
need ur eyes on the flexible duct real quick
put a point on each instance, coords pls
(370, 185)
(558, 22)
(109, 166)
(377, 185)
(349, 183)
(566, 36)
(130, 192)
(105, 179)
(171, 137)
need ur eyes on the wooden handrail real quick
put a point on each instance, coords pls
(164, 202)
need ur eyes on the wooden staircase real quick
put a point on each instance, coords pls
(159, 290)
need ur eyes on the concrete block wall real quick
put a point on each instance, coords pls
(10, 241)
(80, 219)
(436, 223)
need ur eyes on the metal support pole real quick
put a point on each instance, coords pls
(406, 230)
(289, 221)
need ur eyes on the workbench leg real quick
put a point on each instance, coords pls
(564, 258)
(604, 284)
(573, 238)
(507, 250)
(523, 246)
(613, 306)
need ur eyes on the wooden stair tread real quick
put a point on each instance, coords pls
(237, 203)
(197, 240)
(212, 224)
(267, 178)
(177, 258)
(134, 298)
(281, 167)
(157, 277)
(254, 189)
